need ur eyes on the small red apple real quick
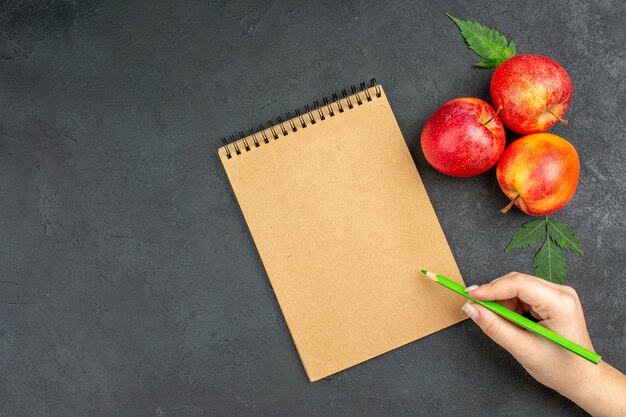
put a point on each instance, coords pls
(464, 137)
(539, 173)
(534, 92)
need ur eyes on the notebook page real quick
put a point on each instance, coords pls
(343, 224)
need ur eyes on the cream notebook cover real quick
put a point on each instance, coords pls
(342, 223)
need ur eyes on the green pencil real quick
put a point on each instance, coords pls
(517, 319)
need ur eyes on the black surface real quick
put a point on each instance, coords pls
(129, 283)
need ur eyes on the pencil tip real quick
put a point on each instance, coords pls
(430, 275)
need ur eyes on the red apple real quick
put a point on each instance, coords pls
(539, 173)
(534, 92)
(464, 137)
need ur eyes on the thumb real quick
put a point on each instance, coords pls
(511, 337)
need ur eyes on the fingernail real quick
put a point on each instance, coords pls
(469, 309)
(471, 287)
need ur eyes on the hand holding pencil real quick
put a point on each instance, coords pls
(599, 389)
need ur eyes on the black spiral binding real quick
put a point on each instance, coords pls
(260, 136)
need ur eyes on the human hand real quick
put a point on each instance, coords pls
(558, 308)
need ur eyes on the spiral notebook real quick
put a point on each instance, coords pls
(342, 224)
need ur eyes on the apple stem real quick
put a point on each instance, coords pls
(494, 116)
(510, 205)
(562, 120)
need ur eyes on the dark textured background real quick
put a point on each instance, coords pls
(129, 284)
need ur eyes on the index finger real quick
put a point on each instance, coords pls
(531, 290)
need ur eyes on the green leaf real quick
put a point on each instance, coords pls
(549, 262)
(488, 63)
(488, 43)
(563, 236)
(527, 235)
